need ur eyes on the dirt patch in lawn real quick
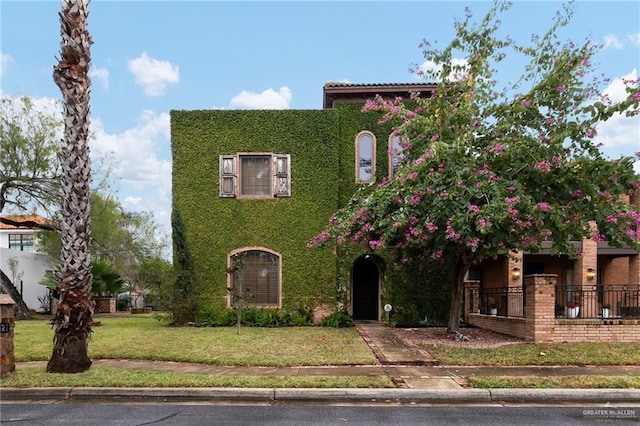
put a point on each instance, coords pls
(477, 337)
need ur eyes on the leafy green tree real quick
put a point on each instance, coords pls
(182, 296)
(155, 275)
(486, 170)
(126, 240)
(29, 167)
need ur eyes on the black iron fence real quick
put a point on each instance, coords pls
(598, 301)
(500, 301)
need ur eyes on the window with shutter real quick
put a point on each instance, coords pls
(227, 176)
(258, 280)
(255, 175)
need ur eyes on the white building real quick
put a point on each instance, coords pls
(21, 262)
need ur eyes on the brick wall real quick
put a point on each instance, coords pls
(596, 331)
(510, 326)
(540, 324)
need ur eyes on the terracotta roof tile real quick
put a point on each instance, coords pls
(23, 218)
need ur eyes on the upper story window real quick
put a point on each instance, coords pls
(395, 154)
(22, 242)
(255, 175)
(365, 157)
(257, 276)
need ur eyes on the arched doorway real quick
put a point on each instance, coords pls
(365, 289)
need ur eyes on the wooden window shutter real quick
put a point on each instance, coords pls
(228, 175)
(282, 175)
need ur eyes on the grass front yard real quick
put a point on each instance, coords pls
(142, 337)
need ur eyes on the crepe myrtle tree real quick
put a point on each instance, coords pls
(487, 172)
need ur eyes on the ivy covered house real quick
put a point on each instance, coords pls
(258, 185)
(263, 183)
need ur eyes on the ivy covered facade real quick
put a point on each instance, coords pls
(258, 185)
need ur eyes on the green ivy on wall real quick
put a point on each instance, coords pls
(321, 145)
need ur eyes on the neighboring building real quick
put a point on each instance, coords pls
(21, 262)
(263, 183)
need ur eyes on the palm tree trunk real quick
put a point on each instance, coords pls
(73, 319)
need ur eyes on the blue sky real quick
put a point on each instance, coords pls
(150, 57)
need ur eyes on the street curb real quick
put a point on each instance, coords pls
(333, 396)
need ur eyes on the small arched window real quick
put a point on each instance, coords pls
(395, 154)
(365, 157)
(255, 277)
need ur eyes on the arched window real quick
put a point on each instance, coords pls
(395, 154)
(255, 276)
(365, 157)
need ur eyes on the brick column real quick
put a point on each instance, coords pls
(634, 270)
(7, 359)
(514, 265)
(586, 279)
(541, 298)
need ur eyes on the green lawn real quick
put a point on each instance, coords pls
(117, 377)
(563, 382)
(142, 337)
(540, 354)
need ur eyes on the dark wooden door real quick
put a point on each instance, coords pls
(366, 278)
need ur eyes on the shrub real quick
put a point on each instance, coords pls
(337, 319)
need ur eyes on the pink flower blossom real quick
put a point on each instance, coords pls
(473, 242)
(550, 120)
(473, 208)
(497, 148)
(526, 102)
(374, 243)
(543, 207)
(415, 199)
(484, 223)
(560, 89)
(431, 227)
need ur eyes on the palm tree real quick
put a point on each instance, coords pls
(72, 321)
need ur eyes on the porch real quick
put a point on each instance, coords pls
(547, 312)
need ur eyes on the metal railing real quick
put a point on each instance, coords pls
(500, 301)
(598, 301)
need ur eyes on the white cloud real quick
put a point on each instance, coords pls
(5, 59)
(268, 99)
(153, 74)
(144, 179)
(432, 70)
(611, 40)
(635, 38)
(100, 74)
(620, 132)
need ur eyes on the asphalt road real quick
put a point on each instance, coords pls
(99, 414)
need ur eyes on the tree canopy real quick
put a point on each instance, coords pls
(488, 170)
(29, 167)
